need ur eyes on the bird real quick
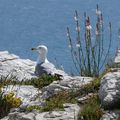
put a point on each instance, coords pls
(43, 66)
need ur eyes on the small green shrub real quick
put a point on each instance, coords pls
(57, 101)
(12, 100)
(91, 110)
(41, 82)
(7, 81)
(94, 85)
(34, 107)
(7, 102)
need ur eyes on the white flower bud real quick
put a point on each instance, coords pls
(96, 32)
(77, 45)
(98, 12)
(75, 18)
(89, 27)
(68, 34)
(78, 29)
(69, 46)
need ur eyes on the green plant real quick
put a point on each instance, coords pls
(91, 110)
(40, 82)
(12, 100)
(59, 99)
(94, 85)
(7, 102)
(8, 80)
(90, 55)
(34, 107)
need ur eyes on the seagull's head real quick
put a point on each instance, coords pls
(41, 49)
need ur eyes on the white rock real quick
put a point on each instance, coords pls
(69, 83)
(109, 92)
(117, 58)
(29, 116)
(53, 114)
(5, 118)
(69, 114)
(22, 69)
(110, 89)
(27, 93)
(110, 116)
(12, 65)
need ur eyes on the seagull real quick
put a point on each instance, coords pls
(43, 66)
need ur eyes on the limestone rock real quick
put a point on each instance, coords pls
(70, 113)
(109, 92)
(117, 58)
(85, 99)
(68, 83)
(27, 94)
(12, 65)
(110, 116)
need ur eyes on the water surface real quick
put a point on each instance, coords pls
(28, 23)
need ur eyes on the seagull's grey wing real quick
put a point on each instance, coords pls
(44, 68)
(51, 69)
(48, 68)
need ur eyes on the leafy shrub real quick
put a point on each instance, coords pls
(12, 100)
(41, 82)
(57, 101)
(91, 110)
(8, 80)
(94, 85)
(34, 107)
(7, 102)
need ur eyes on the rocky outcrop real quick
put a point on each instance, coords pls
(33, 96)
(26, 93)
(109, 92)
(111, 115)
(117, 58)
(70, 113)
(68, 83)
(12, 65)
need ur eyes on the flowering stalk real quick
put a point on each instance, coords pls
(71, 49)
(80, 59)
(88, 55)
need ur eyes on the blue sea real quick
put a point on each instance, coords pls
(27, 23)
